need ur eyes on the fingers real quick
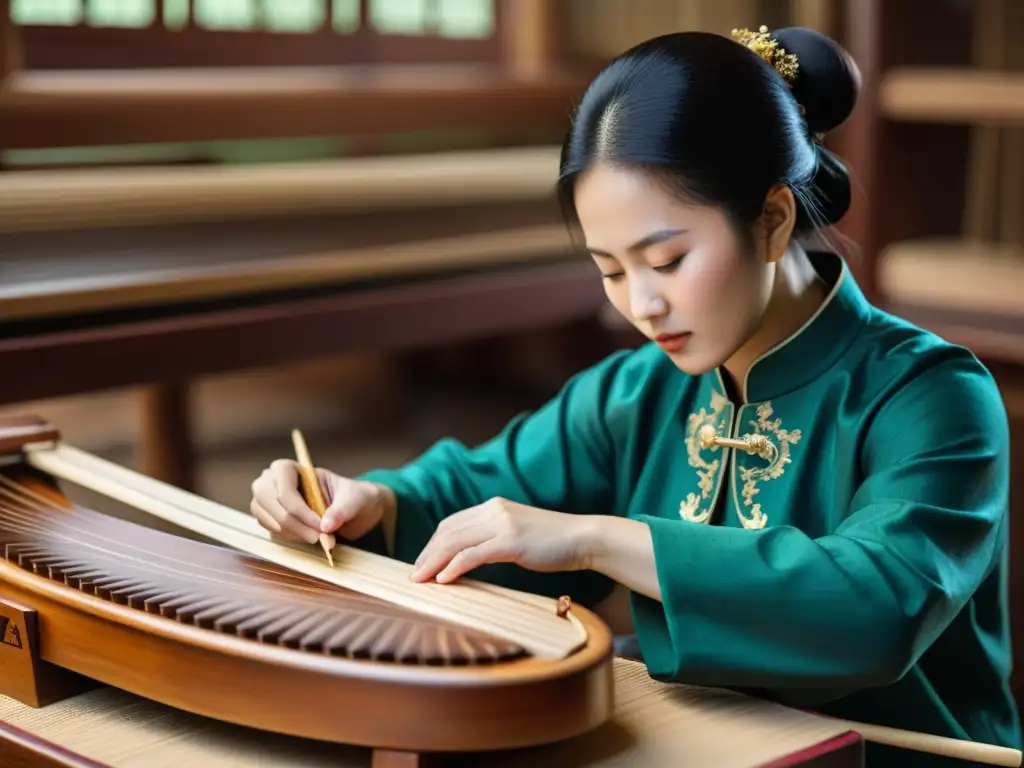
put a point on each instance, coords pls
(287, 528)
(264, 518)
(462, 542)
(352, 509)
(279, 507)
(491, 551)
(286, 480)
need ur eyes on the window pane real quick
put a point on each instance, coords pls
(56, 12)
(121, 13)
(225, 14)
(399, 17)
(346, 15)
(175, 13)
(295, 15)
(465, 18)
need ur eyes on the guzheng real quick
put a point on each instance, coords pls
(126, 646)
(250, 631)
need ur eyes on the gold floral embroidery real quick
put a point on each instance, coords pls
(690, 507)
(778, 457)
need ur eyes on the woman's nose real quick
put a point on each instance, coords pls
(646, 306)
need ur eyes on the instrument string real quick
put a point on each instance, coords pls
(530, 622)
(217, 586)
(19, 505)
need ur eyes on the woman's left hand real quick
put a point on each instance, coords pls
(502, 531)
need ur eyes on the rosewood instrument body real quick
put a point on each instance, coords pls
(220, 633)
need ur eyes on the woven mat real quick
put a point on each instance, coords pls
(654, 725)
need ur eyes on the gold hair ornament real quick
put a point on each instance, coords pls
(768, 48)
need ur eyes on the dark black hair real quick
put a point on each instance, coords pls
(717, 122)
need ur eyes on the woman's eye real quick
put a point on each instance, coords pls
(671, 266)
(612, 276)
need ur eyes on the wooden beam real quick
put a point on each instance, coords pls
(47, 200)
(506, 300)
(177, 284)
(54, 109)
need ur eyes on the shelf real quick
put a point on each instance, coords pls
(950, 95)
(968, 292)
(958, 274)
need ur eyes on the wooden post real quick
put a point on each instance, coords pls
(532, 32)
(814, 14)
(165, 448)
(10, 44)
(860, 142)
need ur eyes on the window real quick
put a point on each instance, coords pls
(239, 70)
(105, 34)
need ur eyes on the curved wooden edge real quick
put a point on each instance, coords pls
(514, 673)
(521, 704)
(75, 199)
(21, 749)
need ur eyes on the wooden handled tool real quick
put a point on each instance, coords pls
(311, 489)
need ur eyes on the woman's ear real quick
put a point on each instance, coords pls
(778, 219)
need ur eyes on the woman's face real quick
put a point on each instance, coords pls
(677, 272)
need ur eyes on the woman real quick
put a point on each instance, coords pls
(787, 490)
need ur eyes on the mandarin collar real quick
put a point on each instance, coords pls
(818, 344)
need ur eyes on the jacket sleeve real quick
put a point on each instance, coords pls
(779, 611)
(560, 458)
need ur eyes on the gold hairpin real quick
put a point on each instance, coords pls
(768, 48)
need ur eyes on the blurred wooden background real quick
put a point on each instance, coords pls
(221, 219)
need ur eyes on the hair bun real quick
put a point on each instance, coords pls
(827, 81)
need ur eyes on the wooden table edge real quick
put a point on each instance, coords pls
(21, 749)
(843, 751)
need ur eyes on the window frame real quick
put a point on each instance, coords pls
(81, 47)
(526, 98)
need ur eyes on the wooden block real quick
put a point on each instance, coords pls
(17, 431)
(23, 675)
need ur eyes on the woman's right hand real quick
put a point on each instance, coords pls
(354, 507)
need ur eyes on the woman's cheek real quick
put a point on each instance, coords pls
(707, 286)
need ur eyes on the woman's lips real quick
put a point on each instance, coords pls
(672, 342)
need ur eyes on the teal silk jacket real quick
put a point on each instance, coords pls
(853, 560)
